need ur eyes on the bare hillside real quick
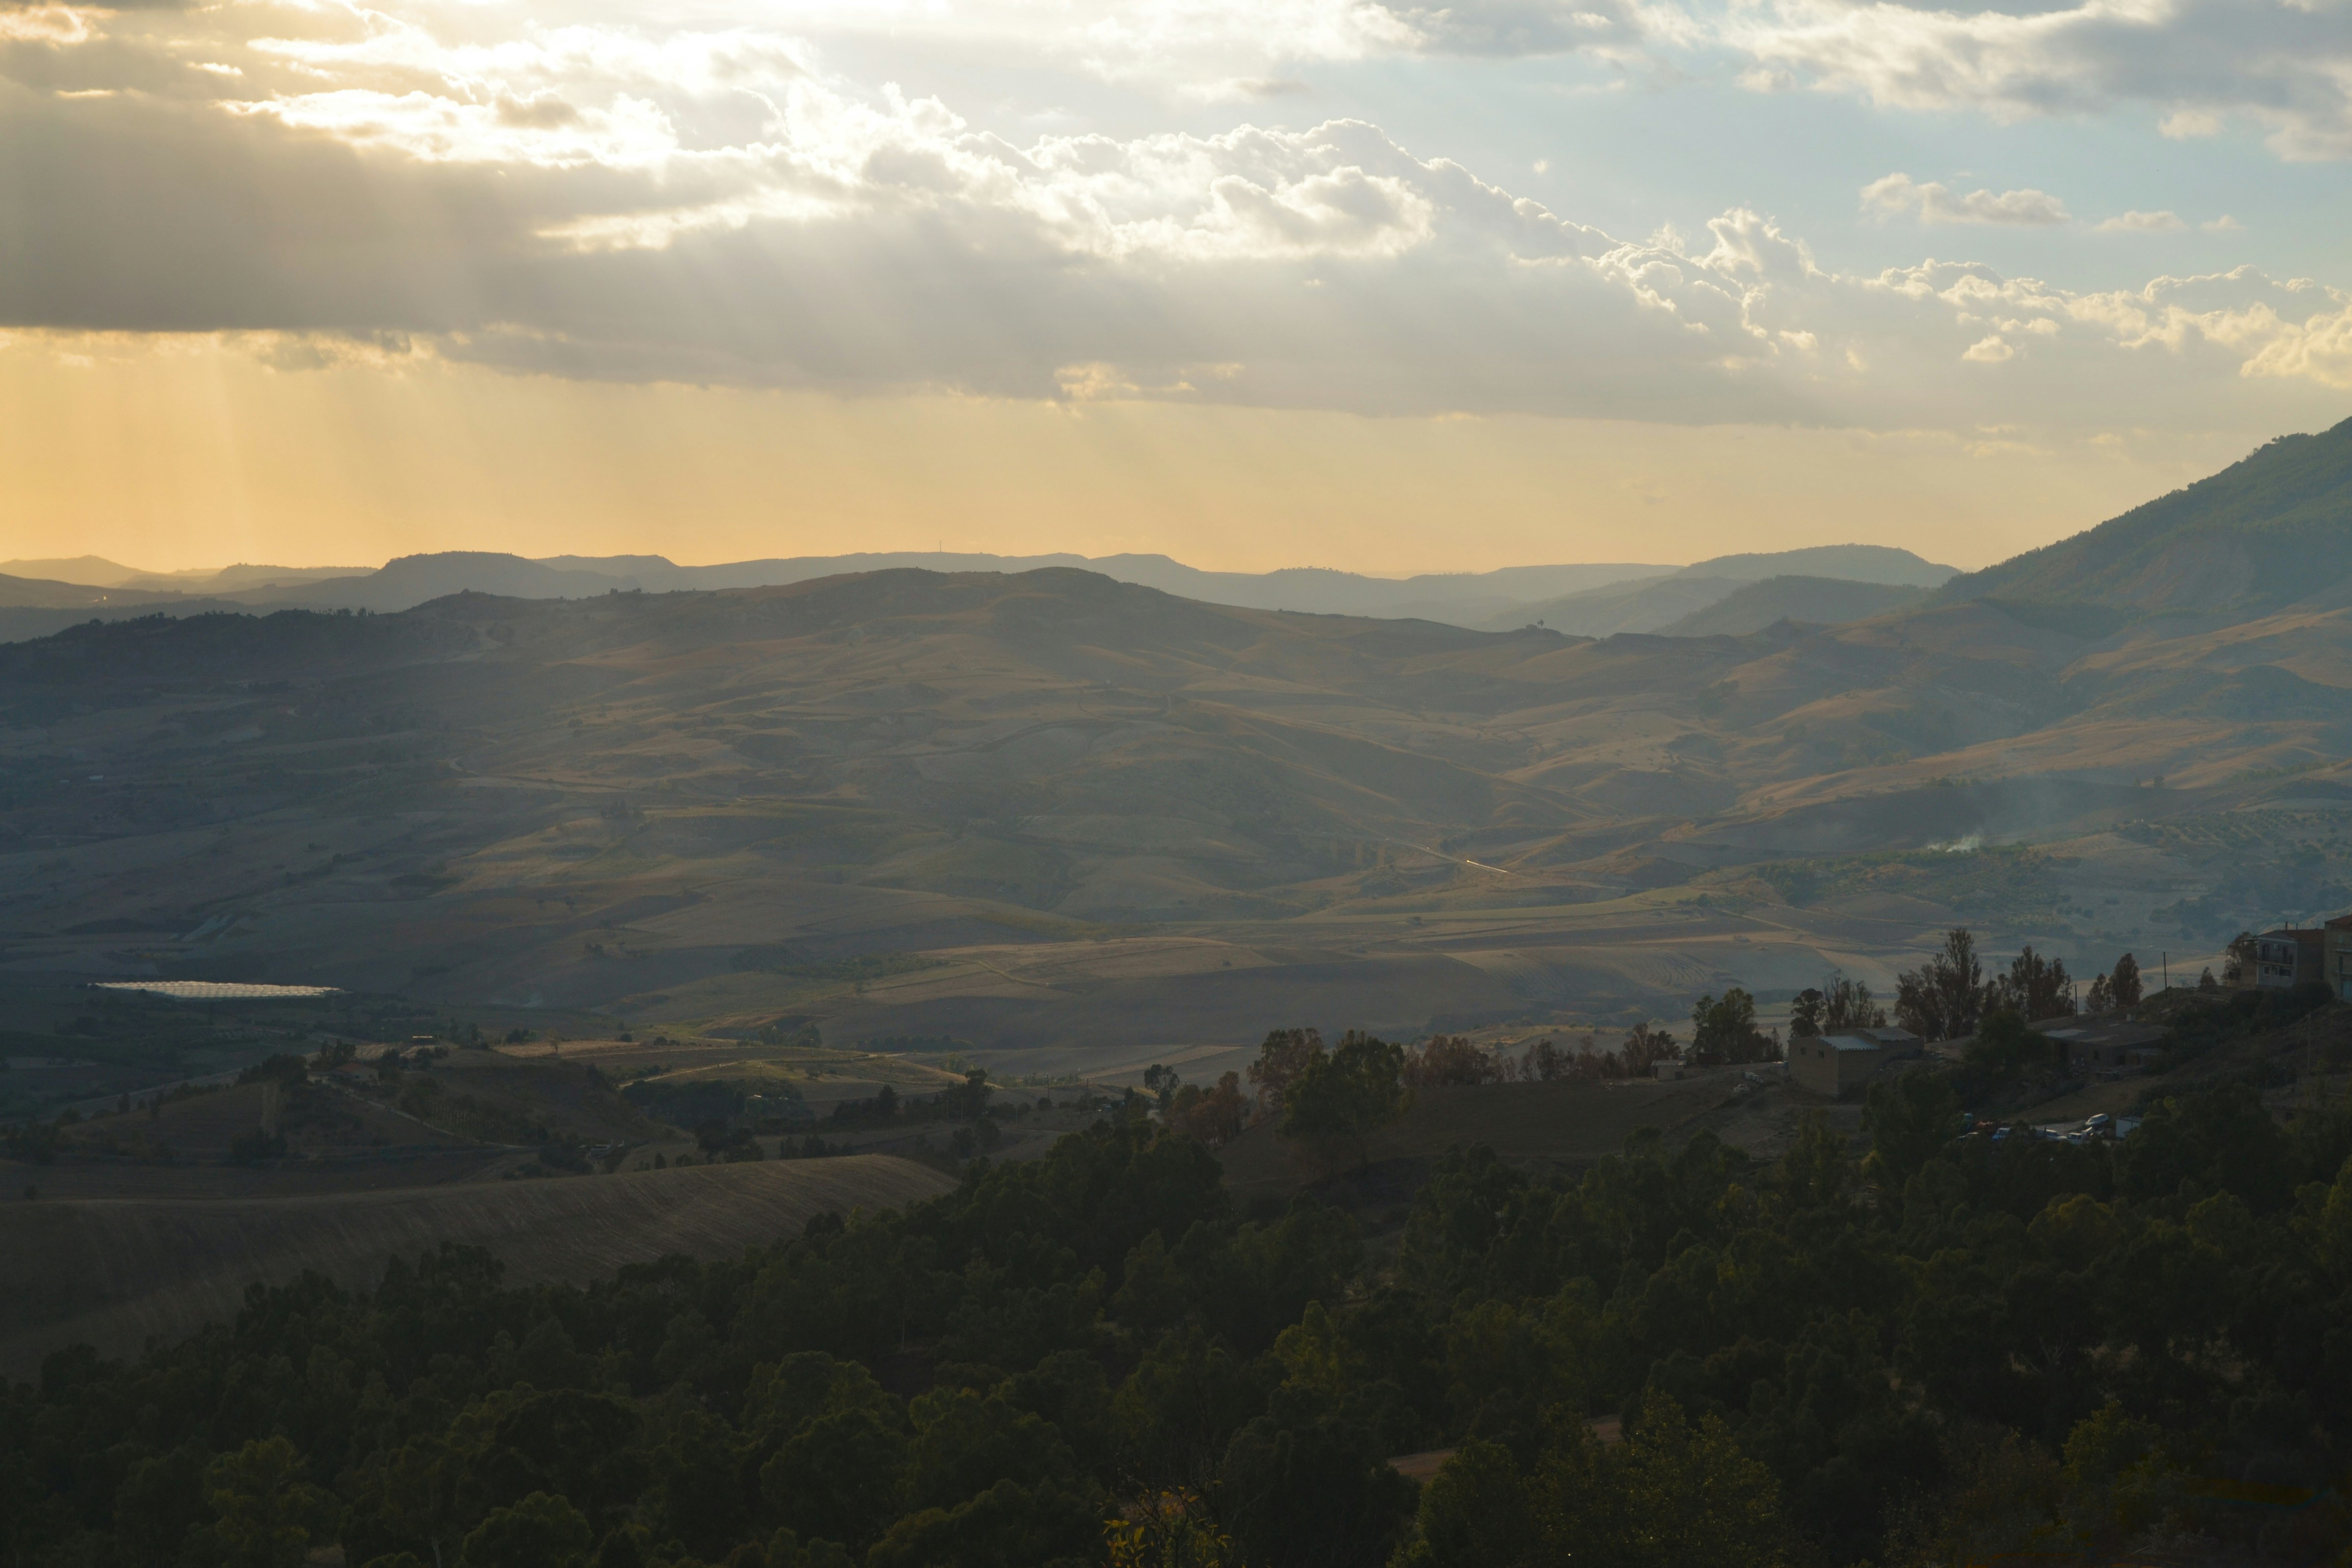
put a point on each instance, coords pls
(1050, 812)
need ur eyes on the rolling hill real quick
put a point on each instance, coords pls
(1820, 601)
(2273, 529)
(45, 593)
(1665, 603)
(1641, 607)
(1840, 563)
(1049, 813)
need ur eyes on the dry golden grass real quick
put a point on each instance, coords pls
(115, 1273)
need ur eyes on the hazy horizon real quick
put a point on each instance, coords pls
(1404, 288)
(202, 568)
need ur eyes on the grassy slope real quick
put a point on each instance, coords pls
(116, 1272)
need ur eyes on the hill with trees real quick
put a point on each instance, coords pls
(2271, 530)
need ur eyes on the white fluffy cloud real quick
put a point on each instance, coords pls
(713, 204)
(1934, 202)
(2283, 64)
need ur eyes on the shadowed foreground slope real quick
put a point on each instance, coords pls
(115, 1273)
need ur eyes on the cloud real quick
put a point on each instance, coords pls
(45, 25)
(2138, 222)
(2319, 348)
(1242, 49)
(2225, 223)
(667, 203)
(1896, 193)
(2287, 68)
(1519, 26)
(2192, 124)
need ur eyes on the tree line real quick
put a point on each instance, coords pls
(1946, 997)
(1934, 1353)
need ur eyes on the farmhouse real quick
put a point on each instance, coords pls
(1837, 1065)
(2108, 1044)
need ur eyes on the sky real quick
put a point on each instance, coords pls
(1387, 286)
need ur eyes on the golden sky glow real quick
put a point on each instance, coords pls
(1252, 283)
(350, 463)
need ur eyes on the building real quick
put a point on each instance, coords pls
(1894, 1040)
(2279, 960)
(2107, 1045)
(2336, 956)
(1838, 1064)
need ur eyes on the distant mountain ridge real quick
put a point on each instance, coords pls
(1663, 603)
(1577, 598)
(2268, 530)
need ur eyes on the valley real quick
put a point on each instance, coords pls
(1043, 812)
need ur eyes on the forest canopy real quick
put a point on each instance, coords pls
(1935, 1353)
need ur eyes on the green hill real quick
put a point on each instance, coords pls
(2267, 531)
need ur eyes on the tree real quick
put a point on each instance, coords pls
(1848, 1005)
(965, 1101)
(838, 1477)
(1343, 1097)
(1644, 1049)
(540, 1531)
(1308, 1486)
(1449, 1059)
(2036, 986)
(1170, 1529)
(1475, 1513)
(2224, 1139)
(1691, 1496)
(1908, 1120)
(1805, 1010)
(1943, 998)
(1727, 1029)
(265, 1512)
(2118, 1483)
(1282, 1056)
(2004, 1046)
(2126, 982)
(1213, 1116)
